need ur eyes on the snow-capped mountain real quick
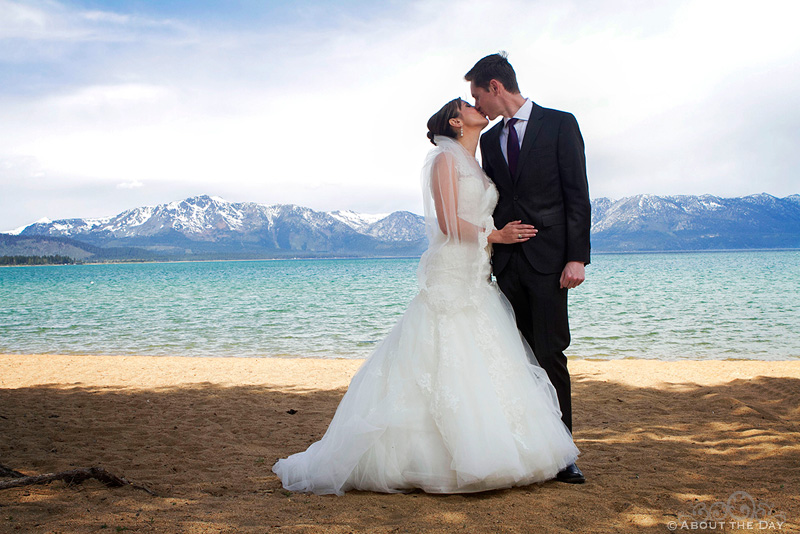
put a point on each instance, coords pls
(19, 230)
(211, 225)
(650, 223)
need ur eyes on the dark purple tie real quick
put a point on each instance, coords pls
(512, 146)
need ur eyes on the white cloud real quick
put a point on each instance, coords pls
(20, 20)
(669, 97)
(134, 184)
(106, 17)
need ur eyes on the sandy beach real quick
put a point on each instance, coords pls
(660, 442)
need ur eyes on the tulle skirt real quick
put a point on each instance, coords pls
(449, 402)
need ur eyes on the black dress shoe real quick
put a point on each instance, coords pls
(571, 475)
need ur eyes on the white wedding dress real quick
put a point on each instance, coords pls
(449, 401)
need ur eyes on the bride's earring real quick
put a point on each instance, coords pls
(462, 131)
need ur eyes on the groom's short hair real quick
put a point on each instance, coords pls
(493, 67)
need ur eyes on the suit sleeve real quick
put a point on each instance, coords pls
(575, 189)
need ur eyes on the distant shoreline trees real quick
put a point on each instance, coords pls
(37, 260)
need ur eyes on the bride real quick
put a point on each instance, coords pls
(449, 401)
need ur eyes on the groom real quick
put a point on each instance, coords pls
(535, 157)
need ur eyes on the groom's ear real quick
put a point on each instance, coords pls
(494, 86)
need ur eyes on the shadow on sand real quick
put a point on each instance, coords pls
(651, 455)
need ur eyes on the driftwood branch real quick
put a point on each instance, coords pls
(7, 472)
(74, 476)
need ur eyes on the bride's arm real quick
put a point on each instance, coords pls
(444, 187)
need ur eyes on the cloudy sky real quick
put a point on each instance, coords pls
(109, 105)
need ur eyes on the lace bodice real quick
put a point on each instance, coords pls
(459, 201)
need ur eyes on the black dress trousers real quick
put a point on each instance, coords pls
(540, 306)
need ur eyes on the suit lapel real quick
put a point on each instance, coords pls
(531, 131)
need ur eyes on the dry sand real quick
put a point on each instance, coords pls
(659, 440)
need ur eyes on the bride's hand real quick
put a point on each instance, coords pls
(513, 232)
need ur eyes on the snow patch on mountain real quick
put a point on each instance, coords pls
(360, 222)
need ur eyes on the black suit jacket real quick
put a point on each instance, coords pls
(549, 190)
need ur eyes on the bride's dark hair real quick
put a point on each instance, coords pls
(439, 123)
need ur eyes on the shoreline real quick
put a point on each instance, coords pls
(160, 261)
(295, 258)
(570, 358)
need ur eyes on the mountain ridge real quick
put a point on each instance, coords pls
(207, 227)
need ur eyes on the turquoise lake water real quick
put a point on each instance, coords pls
(665, 306)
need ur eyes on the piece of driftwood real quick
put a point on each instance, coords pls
(7, 472)
(73, 476)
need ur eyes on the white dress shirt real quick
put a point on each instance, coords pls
(524, 115)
